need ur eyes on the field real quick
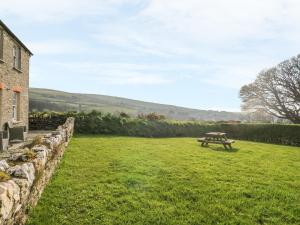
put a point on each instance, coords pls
(51, 100)
(125, 180)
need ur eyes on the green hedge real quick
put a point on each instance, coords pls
(98, 123)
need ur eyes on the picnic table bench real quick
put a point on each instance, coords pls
(216, 138)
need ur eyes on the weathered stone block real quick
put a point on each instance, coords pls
(40, 160)
(10, 200)
(25, 171)
(24, 186)
(47, 142)
(40, 148)
(3, 165)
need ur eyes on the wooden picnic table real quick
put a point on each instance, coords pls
(215, 138)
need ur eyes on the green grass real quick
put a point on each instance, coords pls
(125, 180)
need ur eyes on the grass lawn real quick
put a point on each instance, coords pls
(125, 180)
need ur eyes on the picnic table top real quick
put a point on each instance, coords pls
(216, 134)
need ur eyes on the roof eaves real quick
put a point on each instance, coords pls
(14, 36)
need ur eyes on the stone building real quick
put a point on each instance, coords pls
(14, 84)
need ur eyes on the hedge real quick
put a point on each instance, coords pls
(99, 123)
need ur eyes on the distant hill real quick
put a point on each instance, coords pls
(52, 100)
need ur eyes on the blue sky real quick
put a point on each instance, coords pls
(191, 53)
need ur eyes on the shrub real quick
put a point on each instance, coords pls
(125, 115)
(4, 176)
(38, 140)
(151, 116)
(30, 155)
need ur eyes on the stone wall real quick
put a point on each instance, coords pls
(29, 173)
(44, 121)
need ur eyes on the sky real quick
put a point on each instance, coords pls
(192, 53)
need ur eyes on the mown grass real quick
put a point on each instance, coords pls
(125, 180)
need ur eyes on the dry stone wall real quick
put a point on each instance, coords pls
(44, 121)
(29, 173)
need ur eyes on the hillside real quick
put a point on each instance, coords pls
(52, 100)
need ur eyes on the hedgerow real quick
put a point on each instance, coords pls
(98, 123)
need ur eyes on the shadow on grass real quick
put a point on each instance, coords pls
(220, 149)
(97, 136)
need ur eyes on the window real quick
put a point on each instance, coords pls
(16, 106)
(1, 43)
(17, 57)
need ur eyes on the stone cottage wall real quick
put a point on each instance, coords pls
(13, 80)
(30, 172)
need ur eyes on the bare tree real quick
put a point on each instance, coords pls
(276, 91)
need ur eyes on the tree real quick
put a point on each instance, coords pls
(124, 115)
(276, 91)
(259, 116)
(151, 116)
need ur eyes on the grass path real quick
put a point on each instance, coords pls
(125, 180)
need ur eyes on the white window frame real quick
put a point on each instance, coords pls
(16, 106)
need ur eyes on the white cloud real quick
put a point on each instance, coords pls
(230, 76)
(140, 38)
(115, 73)
(131, 78)
(231, 40)
(224, 20)
(225, 43)
(59, 10)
